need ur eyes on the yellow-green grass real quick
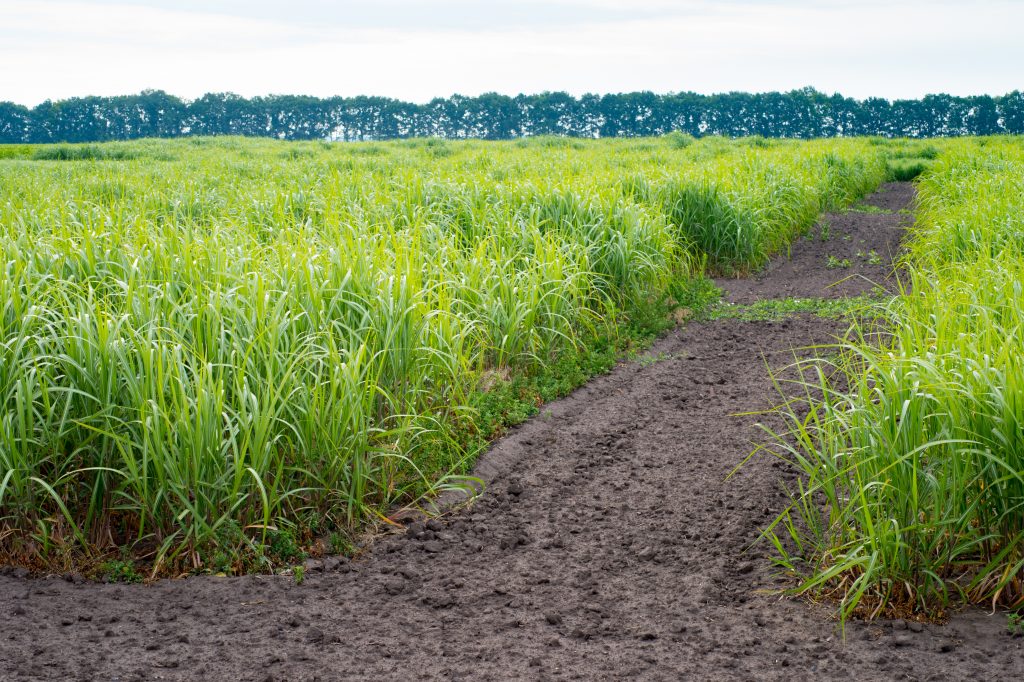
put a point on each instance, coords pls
(913, 499)
(212, 347)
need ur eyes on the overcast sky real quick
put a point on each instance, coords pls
(416, 50)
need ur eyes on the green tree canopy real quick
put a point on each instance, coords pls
(800, 114)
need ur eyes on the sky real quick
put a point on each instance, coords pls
(417, 50)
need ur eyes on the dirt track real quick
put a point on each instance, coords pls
(607, 546)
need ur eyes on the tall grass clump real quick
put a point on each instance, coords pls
(213, 351)
(911, 442)
(740, 209)
(82, 152)
(906, 160)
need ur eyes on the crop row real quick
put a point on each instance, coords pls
(914, 496)
(210, 349)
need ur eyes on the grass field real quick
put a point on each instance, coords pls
(914, 495)
(215, 350)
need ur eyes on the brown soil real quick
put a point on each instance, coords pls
(849, 236)
(608, 545)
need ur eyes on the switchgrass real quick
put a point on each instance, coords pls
(88, 152)
(908, 159)
(211, 350)
(911, 441)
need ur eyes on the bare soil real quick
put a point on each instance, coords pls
(849, 238)
(608, 545)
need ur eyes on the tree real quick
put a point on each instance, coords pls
(15, 123)
(800, 113)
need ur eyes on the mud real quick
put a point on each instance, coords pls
(608, 546)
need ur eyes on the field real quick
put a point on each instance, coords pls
(218, 348)
(919, 461)
(219, 351)
(227, 356)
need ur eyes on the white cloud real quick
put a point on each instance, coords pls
(54, 49)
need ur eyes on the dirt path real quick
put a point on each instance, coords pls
(861, 246)
(607, 546)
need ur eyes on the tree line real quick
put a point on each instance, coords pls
(799, 114)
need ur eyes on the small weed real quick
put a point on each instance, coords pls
(779, 309)
(696, 295)
(871, 257)
(299, 574)
(1015, 623)
(648, 360)
(834, 263)
(341, 544)
(283, 547)
(119, 571)
(826, 231)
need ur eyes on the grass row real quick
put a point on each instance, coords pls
(213, 351)
(912, 444)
